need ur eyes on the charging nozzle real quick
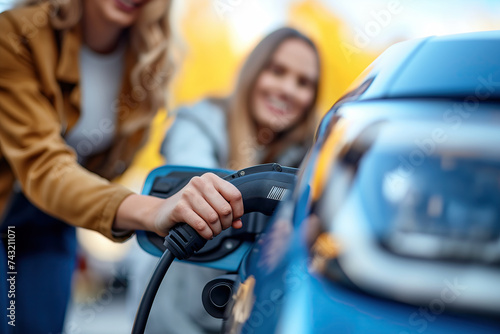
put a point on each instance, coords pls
(262, 188)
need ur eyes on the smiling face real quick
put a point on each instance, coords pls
(120, 13)
(286, 87)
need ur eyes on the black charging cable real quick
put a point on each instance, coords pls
(181, 243)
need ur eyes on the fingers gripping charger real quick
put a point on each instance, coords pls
(262, 188)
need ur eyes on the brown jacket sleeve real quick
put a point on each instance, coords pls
(31, 142)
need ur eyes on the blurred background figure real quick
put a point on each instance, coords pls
(269, 117)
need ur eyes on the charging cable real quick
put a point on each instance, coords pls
(181, 242)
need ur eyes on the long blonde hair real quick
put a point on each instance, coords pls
(244, 135)
(149, 40)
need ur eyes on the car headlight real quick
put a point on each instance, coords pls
(402, 225)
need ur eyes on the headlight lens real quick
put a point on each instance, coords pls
(445, 207)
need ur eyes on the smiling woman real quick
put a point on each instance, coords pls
(285, 89)
(270, 114)
(269, 117)
(65, 130)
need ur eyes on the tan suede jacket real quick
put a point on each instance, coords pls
(39, 103)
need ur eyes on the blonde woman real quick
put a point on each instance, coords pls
(269, 117)
(80, 81)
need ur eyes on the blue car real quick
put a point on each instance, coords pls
(392, 223)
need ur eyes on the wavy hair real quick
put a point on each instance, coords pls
(149, 40)
(244, 135)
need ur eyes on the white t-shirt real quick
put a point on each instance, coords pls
(100, 83)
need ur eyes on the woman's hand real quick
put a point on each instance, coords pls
(207, 203)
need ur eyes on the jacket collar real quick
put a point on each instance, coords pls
(67, 68)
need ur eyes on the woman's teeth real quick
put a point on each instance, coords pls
(278, 104)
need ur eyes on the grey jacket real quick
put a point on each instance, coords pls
(198, 137)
